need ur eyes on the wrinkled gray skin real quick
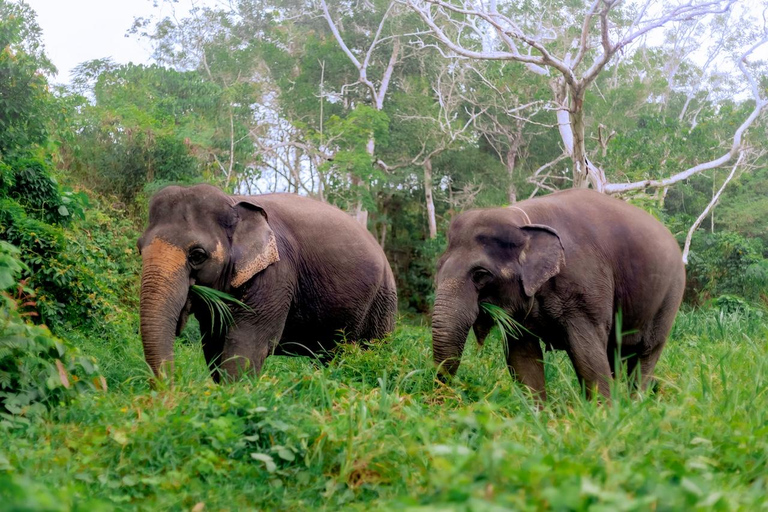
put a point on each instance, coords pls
(306, 269)
(562, 265)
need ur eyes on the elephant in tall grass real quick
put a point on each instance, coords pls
(564, 266)
(307, 272)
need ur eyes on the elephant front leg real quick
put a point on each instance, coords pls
(246, 346)
(525, 362)
(212, 339)
(248, 343)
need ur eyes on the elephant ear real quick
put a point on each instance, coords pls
(254, 246)
(542, 258)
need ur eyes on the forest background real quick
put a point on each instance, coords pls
(402, 113)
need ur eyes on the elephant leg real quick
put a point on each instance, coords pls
(525, 362)
(247, 345)
(587, 349)
(380, 320)
(212, 350)
(644, 363)
(253, 336)
(212, 341)
(647, 363)
(653, 341)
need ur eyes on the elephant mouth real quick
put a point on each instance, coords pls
(482, 326)
(184, 316)
(186, 310)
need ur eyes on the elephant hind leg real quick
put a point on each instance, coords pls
(380, 319)
(588, 351)
(640, 367)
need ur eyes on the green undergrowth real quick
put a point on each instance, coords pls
(374, 430)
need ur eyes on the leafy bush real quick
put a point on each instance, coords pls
(79, 273)
(37, 370)
(34, 188)
(728, 263)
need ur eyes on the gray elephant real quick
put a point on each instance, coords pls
(308, 272)
(563, 266)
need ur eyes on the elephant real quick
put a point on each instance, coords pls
(308, 273)
(579, 270)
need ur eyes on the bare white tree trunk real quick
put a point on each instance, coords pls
(428, 197)
(579, 154)
(511, 164)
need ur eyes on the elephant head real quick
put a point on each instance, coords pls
(196, 235)
(493, 259)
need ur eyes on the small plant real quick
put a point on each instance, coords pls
(36, 369)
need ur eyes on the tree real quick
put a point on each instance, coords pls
(576, 57)
(24, 93)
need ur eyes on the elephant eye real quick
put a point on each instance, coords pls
(197, 256)
(480, 276)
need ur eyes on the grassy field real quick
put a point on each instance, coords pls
(375, 430)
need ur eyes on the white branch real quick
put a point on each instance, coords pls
(533, 63)
(338, 37)
(387, 76)
(735, 149)
(708, 209)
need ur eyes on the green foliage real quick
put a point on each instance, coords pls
(24, 95)
(79, 274)
(352, 134)
(728, 263)
(218, 304)
(150, 124)
(416, 272)
(10, 266)
(509, 328)
(37, 370)
(23, 494)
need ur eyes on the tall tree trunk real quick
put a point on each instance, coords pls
(512, 164)
(383, 236)
(361, 214)
(570, 123)
(429, 199)
(579, 155)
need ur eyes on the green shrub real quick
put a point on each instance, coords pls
(22, 494)
(79, 273)
(727, 263)
(37, 370)
(36, 190)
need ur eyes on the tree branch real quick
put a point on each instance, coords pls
(735, 149)
(710, 206)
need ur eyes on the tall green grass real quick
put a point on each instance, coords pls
(375, 430)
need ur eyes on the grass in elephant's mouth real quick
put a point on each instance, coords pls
(508, 327)
(375, 430)
(218, 304)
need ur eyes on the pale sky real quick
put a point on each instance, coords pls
(75, 31)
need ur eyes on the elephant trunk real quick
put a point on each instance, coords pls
(164, 290)
(454, 314)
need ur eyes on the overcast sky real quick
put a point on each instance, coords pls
(75, 31)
